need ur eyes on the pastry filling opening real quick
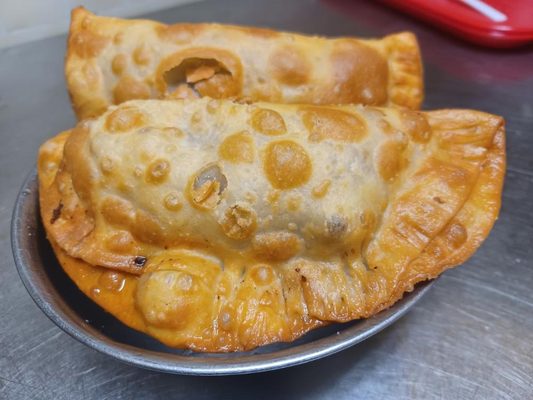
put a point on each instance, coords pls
(196, 77)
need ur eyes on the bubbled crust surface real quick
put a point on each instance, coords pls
(111, 60)
(412, 195)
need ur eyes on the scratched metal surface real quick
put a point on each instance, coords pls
(470, 337)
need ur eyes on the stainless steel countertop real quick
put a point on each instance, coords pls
(470, 337)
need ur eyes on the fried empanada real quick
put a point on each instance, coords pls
(219, 226)
(110, 60)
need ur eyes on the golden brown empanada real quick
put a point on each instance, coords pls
(111, 60)
(224, 226)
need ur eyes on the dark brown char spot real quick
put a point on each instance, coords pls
(56, 213)
(139, 261)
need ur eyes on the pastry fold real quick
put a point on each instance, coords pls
(111, 60)
(237, 225)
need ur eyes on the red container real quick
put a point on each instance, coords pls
(465, 21)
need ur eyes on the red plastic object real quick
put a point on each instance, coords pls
(461, 19)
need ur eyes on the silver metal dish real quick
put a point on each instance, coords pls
(60, 299)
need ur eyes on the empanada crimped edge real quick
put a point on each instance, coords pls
(469, 144)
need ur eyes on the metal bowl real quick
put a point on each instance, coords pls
(76, 314)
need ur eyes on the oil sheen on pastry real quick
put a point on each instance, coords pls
(220, 226)
(111, 60)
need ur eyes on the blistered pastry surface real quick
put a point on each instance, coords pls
(110, 60)
(247, 224)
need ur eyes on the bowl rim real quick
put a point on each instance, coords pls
(57, 310)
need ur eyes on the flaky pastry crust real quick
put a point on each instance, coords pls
(219, 226)
(111, 60)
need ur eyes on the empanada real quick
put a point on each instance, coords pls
(111, 60)
(219, 226)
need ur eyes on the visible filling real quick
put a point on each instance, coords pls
(197, 77)
(207, 186)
